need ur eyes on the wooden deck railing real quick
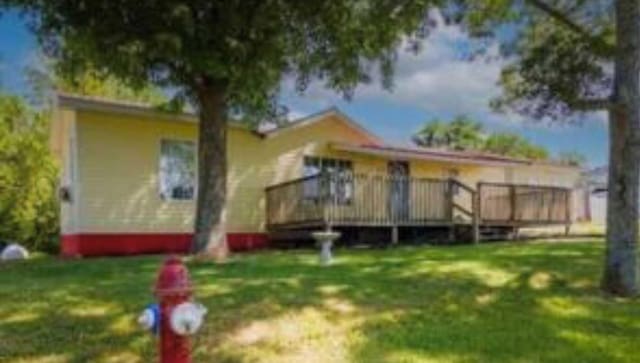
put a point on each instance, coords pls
(382, 200)
(523, 204)
(288, 204)
(359, 199)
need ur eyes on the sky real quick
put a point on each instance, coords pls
(434, 83)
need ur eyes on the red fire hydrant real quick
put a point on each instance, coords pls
(178, 316)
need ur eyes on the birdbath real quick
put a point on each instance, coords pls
(325, 239)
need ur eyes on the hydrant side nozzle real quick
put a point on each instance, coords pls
(187, 318)
(149, 319)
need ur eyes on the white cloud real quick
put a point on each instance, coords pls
(436, 79)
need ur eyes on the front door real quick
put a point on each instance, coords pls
(399, 190)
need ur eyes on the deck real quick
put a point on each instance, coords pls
(363, 200)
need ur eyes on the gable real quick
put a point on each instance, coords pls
(331, 118)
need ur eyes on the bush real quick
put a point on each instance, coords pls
(28, 177)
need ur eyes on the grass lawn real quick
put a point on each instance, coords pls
(493, 303)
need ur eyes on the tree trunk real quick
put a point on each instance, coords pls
(210, 235)
(621, 265)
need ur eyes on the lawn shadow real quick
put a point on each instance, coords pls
(492, 303)
(497, 303)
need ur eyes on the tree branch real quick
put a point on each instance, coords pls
(564, 19)
(591, 104)
(560, 17)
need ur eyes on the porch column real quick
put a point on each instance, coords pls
(475, 209)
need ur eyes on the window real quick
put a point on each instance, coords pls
(177, 169)
(339, 179)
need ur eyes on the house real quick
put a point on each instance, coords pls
(596, 185)
(128, 181)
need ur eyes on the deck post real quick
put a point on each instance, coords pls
(452, 232)
(450, 211)
(512, 203)
(395, 236)
(475, 203)
(569, 207)
(450, 197)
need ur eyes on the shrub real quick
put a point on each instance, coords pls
(28, 177)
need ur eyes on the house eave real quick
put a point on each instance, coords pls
(394, 153)
(99, 104)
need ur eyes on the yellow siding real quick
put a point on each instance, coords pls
(118, 160)
(546, 175)
(538, 174)
(118, 167)
(263, 162)
(118, 171)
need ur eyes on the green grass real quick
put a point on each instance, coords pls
(493, 303)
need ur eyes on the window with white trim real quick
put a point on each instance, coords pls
(177, 177)
(340, 179)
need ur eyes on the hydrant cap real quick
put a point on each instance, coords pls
(173, 278)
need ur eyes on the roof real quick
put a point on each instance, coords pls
(102, 104)
(460, 157)
(376, 146)
(318, 116)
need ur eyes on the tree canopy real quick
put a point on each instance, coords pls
(463, 133)
(572, 158)
(515, 145)
(46, 78)
(563, 52)
(244, 46)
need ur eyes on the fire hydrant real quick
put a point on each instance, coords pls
(176, 317)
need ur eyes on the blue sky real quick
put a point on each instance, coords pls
(432, 83)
